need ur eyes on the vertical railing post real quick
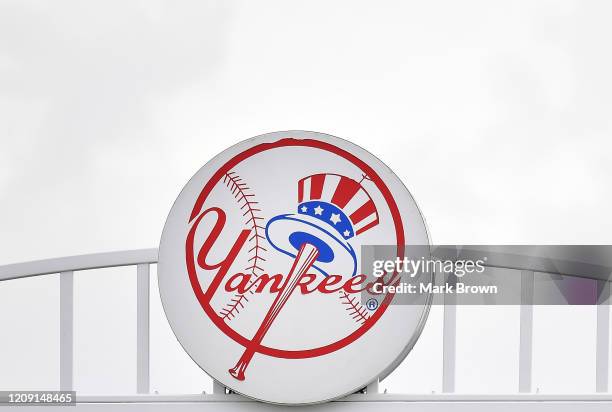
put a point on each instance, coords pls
(142, 329)
(526, 331)
(449, 339)
(602, 354)
(66, 330)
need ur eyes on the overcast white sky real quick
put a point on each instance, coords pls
(495, 114)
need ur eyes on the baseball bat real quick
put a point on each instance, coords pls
(304, 259)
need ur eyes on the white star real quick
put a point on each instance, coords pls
(335, 218)
(318, 210)
(304, 209)
(346, 233)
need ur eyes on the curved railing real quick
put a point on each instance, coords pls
(597, 268)
(66, 266)
(81, 262)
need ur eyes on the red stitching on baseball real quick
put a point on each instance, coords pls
(242, 194)
(357, 310)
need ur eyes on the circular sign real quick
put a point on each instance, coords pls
(260, 268)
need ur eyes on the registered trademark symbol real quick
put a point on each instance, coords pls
(372, 304)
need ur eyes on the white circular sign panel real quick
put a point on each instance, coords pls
(259, 268)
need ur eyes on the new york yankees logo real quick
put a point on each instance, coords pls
(260, 270)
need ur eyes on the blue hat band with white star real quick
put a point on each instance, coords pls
(330, 214)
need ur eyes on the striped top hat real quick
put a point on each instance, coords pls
(332, 209)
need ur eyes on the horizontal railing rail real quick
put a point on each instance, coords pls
(582, 261)
(79, 262)
(578, 261)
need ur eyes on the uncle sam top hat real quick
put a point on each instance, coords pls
(332, 209)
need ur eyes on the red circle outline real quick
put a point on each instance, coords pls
(195, 284)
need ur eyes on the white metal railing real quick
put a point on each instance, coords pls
(66, 266)
(143, 258)
(591, 262)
